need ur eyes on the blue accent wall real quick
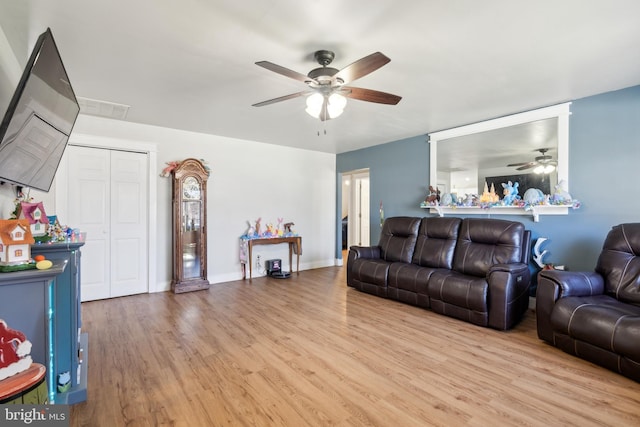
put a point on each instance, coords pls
(398, 176)
(604, 174)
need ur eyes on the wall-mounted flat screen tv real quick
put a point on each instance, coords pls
(36, 127)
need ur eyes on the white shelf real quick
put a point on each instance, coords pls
(534, 211)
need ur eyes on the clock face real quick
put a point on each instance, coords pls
(191, 189)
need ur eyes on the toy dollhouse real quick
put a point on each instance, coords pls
(15, 241)
(35, 214)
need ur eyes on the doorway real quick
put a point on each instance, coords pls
(355, 208)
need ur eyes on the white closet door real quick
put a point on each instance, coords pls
(89, 207)
(108, 198)
(128, 223)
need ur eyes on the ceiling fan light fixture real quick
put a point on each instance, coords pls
(314, 104)
(545, 169)
(335, 105)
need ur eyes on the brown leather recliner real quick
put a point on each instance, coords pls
(596, 315)
(474, 269)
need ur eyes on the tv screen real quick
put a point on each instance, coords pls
(38, 122)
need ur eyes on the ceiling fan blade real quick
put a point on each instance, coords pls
(282, 98)
(370, 95)
(284, 71)
(361, 67)
(518, 164)
(527, 166)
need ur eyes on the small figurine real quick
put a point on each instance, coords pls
(469, 200)
(258, 226)
(251, 231)
(434, 195)
(169, 168)
(446, 199)
(271, 231)
(205, 165)
(14, 351)
(287, 227)
(537, 255)
(510, 193)
(533, 196)
(561, 194)
(487, 196)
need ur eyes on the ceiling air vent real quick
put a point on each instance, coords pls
(103, 108)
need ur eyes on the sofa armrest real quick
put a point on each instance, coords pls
(508, 294)
(556, 284)
(369, 252)
(516, 268)
(360, 252)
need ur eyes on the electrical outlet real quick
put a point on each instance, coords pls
(258, 261)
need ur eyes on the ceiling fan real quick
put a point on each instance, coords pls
(327, 85)
(543, 163)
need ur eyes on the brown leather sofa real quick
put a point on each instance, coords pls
(472, 269)
(596, 315)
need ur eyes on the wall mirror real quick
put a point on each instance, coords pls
(463, 158)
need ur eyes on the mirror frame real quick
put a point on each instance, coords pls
(560, 112)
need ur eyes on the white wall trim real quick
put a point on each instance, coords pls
(560, 111)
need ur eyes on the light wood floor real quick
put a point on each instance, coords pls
(308, 351)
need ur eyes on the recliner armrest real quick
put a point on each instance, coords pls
(572, 283)
(556, 284)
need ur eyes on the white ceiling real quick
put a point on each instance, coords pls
(189, 64)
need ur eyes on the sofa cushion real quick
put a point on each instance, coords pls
(458, 289)
(484, 242)
(600, 320)
(436, 242)
(372, 271)
(619, 263)
(409, 277)
(398, 238)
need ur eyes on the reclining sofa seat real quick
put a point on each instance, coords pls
(472, 269)
(596, 315)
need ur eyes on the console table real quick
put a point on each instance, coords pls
(295, 245)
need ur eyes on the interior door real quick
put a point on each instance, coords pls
(362, 201)
(358, 207)
(108, 199)
(128, 224)
(89, 208)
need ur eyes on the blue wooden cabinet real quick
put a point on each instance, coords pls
(27, 300)
(70, 344)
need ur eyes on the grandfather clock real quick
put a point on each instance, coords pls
(189, 227)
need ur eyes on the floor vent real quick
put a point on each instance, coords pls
(103, 108)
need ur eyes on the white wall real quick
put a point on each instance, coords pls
(248, 180)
